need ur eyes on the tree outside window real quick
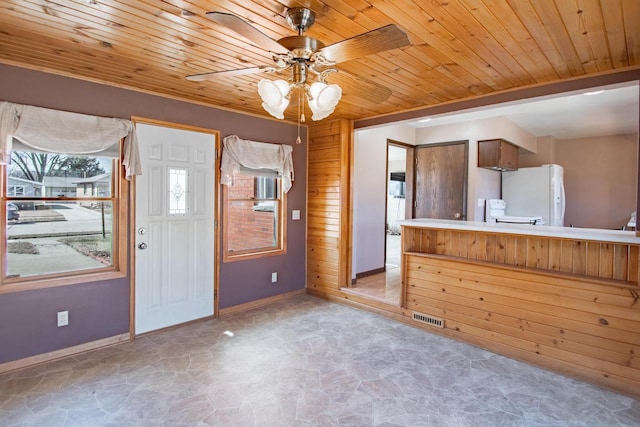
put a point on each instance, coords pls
(64, 220)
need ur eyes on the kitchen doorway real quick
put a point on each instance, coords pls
(384, 285)
(398, 206)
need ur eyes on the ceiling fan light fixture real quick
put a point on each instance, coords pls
(274, 96)
(305, 57)
(323, 99)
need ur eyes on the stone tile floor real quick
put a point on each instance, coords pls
(302, 362)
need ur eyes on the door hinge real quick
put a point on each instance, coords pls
(415, 203)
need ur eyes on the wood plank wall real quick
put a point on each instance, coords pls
(581, 257)
(328, 219)
(585, 327)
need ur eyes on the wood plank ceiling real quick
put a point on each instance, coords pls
(459, 48)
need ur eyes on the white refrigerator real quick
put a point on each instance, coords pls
(535, 191)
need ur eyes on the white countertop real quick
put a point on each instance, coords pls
(614, 236)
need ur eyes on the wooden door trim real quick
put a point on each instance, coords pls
(347, 148)
(465, 189)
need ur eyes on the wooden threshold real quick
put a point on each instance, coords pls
(371, 272)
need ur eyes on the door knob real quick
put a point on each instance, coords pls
(142, 245)
(457, 215)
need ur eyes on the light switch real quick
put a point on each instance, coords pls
(295, 214)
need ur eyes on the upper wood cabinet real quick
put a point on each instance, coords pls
(497, 154)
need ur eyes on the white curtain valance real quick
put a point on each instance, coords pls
(57, 131)
(256, 155)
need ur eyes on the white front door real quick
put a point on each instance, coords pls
(174, 264)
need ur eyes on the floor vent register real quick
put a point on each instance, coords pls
(429, 320)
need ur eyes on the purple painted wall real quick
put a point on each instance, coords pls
(27, 319)
(101, 309)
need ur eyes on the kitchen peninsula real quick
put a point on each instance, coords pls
(563, 298)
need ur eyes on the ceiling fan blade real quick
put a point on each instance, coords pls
(228, 73)
(246, 30)
(360, 87)
(379, 40)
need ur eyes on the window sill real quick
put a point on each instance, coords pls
(34, 283)
(252, 255)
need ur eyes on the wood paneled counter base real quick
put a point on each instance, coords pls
(564, 299)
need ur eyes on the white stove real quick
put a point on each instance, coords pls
(496, 212)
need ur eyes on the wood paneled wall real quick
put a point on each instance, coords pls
(582, 326)
(582, 257)
(328, 220)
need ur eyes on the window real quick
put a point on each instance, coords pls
(15, 190)
(61, 217)
(177, 191)
(265, 187)
(253, 216)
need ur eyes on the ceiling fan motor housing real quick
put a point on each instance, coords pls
(301, 47)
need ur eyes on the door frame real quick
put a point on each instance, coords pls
(216, 223)
(465, 190)
(409, 184)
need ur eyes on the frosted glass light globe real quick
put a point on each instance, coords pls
(323, 99)
(274, 96)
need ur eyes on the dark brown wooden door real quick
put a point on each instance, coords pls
(441, 181)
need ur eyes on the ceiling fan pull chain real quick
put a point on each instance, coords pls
(298, 140)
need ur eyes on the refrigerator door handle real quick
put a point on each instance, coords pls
(564, 202)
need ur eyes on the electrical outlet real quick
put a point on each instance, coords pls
(295, 214)
(63, 318)
(274, 277)
(481, 203)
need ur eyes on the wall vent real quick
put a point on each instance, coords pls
(429, 320)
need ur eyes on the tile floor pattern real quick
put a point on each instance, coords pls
(302, 362)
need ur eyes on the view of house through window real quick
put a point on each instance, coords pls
(58, 213)
(253, 214)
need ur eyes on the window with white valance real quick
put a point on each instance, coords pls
(45, 130)
(62, 199)
(239, 154)
(257, 176)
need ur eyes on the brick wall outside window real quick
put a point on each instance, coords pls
(247, 227)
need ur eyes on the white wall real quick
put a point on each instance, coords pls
(482, 183)
(369, 184)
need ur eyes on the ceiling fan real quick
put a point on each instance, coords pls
(307, 57)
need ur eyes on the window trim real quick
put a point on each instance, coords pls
(255, 253)
(119, 267)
